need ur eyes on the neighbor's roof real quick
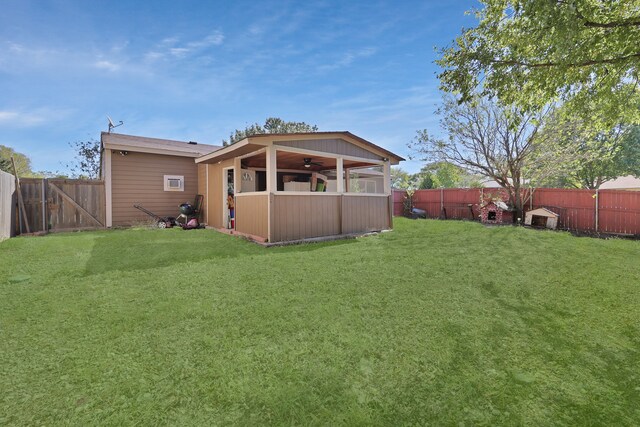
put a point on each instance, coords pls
(143, 144)
(624, 182)
(240, 147)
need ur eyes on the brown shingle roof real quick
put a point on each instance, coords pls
(145, 144)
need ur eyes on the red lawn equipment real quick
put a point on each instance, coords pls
(188, 218)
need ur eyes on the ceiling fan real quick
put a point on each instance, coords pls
(308, 162)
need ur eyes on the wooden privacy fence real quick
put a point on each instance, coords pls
(62, 204)
(602, 211)
(7, 203)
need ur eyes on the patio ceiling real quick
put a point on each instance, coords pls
(295, 161)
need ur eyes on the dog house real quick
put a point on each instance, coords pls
(541, 217)
(492, 212)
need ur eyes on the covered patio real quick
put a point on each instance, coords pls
(279, 188)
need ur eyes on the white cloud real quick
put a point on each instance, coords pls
(15, 47)
(107, 65)
(153, 55)
(349, 57)
(179, 52)
(117, 48)
(169, 41)
(171, 46)
(26, 119)
(215, 39)
(6, 116)
(17, 56)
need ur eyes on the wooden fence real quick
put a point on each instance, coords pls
(7, 204)
(602, 211)
(62, 204)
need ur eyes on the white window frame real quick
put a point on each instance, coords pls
(168, 178)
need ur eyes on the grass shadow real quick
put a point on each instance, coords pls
(142, 249)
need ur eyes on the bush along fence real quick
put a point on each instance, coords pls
(590, 211)
(52, 205)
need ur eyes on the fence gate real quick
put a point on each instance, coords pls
(62, 204)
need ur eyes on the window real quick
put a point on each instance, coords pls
(173, 183)
(370, 186)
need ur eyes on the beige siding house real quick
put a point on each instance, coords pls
(271, 188)
(288, 187)
(158, 174)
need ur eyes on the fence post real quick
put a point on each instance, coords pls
(43, 199)
(597, 209)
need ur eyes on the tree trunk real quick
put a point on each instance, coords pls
(516, 201)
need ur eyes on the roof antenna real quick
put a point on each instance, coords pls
(111, 125)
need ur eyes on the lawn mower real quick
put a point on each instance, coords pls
(187, 220)
(161, 221)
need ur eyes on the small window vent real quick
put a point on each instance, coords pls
(173, 183)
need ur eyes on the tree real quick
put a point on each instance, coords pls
(400, 179)
(23, 163)
(619, 151)
(87, 159)
(443, 174)
(271, 125)
(501, 143)
(5, 165)
(50, 174)
(534, 52)
(604, 155)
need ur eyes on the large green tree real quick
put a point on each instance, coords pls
(617, 154)
(534, 52)
(5, 165)
(271, 125)
(602, 155)
(23, 163)
(443, 174)
(400, 179)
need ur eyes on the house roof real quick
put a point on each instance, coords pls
(143, 144)
(254, 141)
(348, 134)
(622, 183)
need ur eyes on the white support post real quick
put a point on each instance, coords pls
(272, 173)
(339, 175)
(237, 185)
(207, 197)
(107, 188)
(387, 177)
(272, 186)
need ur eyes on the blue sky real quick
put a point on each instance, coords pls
(197, 70)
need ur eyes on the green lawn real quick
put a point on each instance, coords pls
(438, 322)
